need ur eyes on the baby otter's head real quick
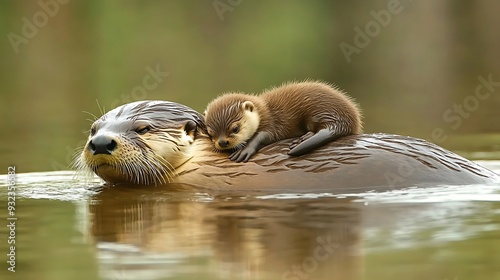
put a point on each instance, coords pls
(232, 119)
(141, 142)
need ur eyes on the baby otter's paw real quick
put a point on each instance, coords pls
(243, 155)
(301, 139)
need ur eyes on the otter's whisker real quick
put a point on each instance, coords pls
(142, 176)
(82, 170)
(101, 109)
(131, 170)
(159, 169)
(157, 173)
(141, 173)
(217, 150)
(92, 115)
(170, 168)
(147, 171)
(128, 169)
(141, 158)
(160, 163)
(158, 178)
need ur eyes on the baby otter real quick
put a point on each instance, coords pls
(315, 111)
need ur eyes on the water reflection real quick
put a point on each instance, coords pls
(440, 232)
(158, 234)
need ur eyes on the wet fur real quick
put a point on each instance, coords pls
(291, 110)
(351, 164)
(150, 158)
(226, 111)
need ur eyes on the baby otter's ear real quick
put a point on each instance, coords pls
(247, 105)
(190, 129)
(205, 113)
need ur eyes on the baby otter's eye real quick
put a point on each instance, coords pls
(142, 129)
(210, 132)
(236, 129)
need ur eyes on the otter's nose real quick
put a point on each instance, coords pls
(223, 143)
(102, 145)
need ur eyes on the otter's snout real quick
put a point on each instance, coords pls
(102, 144)
(223, 143)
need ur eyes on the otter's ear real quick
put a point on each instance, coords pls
(205, 113)
(190, 129)
(247, 105)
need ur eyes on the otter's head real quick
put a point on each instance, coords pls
(141, 142)
(231, 119)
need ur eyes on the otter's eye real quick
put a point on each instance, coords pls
(236, 129)
(142, 130)
(210, 132)
(93, 130)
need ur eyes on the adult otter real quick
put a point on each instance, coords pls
(159, 142)
(315, 111)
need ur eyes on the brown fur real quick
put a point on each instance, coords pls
(177, 150)
(223, 112)
(297, 108)
(290, 110)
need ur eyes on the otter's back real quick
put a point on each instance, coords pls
(297, 108)
(355, 163)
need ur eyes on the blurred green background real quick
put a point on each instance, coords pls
(409, 64)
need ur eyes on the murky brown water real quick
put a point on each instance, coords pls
(70, 230)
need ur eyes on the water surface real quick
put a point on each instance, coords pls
(69, 229)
